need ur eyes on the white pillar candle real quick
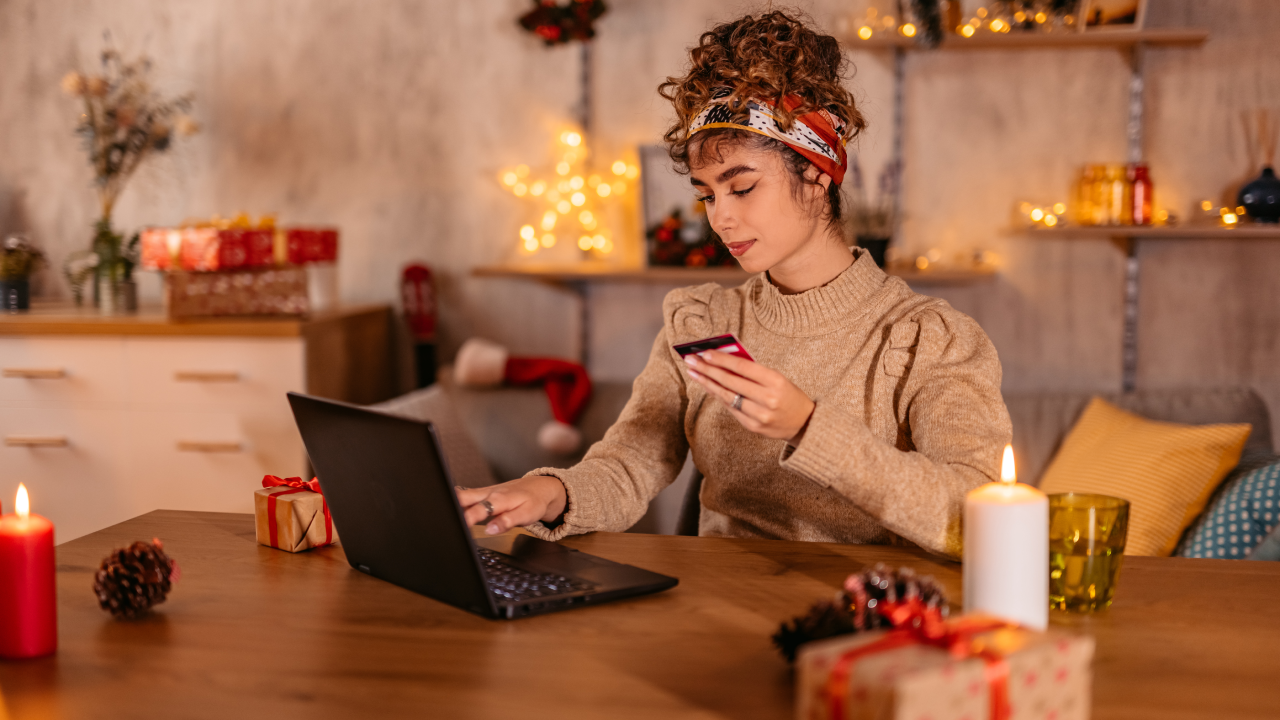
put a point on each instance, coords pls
(1006, 550)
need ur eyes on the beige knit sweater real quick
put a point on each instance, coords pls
(908, 418)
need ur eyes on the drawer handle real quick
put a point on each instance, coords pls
(206, 376)
(51, 441)
(35, 373)
(209, 447)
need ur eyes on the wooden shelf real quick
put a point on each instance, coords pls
(943, 274)
(64, 319)
(598, 272)
(1032, 40)
(1257, 231)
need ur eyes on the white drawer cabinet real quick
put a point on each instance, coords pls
(212, 372)
(77, 479)
(60, 371)
(104, 420)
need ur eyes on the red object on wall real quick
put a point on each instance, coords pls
(28, 591)
(418, 292)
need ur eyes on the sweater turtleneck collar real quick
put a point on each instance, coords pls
(821, 309)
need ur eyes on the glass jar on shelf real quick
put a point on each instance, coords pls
(1117, 197)
(1141, 206)
(1085, 201)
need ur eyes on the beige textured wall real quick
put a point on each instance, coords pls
(391, 119)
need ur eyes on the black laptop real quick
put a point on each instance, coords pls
(393, 503)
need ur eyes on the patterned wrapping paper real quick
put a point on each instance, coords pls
(213, 249)
(299, 519)
(265, 291)
(158, 248)
(310, 245)
(205, 249)
(1050, 677)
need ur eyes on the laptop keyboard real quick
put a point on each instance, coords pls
(510, 583)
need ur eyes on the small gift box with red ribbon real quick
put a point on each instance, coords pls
(292, 515)
(974, 667)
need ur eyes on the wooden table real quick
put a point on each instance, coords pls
(255, 632)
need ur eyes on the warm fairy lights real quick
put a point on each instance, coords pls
(1042, 216)
(567, 198)
(997, 21)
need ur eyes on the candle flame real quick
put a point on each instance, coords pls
(22, 504)
(1008, 473)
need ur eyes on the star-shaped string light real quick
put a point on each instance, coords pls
(570, 201)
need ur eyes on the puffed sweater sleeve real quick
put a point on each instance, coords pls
(641, 454)
(948, 403)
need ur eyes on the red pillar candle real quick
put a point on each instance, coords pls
(28, 601)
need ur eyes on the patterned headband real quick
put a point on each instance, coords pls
(817, 135)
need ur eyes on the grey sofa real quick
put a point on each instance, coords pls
(490, 435)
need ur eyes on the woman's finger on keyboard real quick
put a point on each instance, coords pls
(469, 498)
(511, 507)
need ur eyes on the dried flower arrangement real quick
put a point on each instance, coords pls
(124, 122)
(872, 219)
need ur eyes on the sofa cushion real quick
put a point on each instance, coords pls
(1239, 518)
(504, 422)
(1041, 420)
(1165, 470)
(466, 464)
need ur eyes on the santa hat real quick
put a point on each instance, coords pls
(481, 363)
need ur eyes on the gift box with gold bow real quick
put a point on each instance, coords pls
(974, 666)
(292, 515)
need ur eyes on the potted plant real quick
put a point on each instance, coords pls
(18, 259)
(871, 224)
(123, 123)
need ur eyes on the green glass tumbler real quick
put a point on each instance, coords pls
(1086, 546)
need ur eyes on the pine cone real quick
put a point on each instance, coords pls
(824, 619)
(854, 609)
(133, 579)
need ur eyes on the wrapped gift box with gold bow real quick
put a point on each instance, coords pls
(972, 667)
(292, 515)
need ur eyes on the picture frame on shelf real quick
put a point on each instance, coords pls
(675, 223)
(1112, 15)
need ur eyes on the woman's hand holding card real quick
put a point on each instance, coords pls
(771, 405)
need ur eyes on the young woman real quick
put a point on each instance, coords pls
(869, 411)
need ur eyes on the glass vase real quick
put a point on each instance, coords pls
(114, 292)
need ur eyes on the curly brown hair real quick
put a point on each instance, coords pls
(766, 57)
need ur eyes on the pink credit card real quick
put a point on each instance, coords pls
(723, 343)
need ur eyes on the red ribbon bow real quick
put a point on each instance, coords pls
(914, 623)
(297, 485)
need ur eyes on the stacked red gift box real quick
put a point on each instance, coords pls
(208, 248)
(254, 260)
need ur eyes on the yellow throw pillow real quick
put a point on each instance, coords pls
(1166, 471)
